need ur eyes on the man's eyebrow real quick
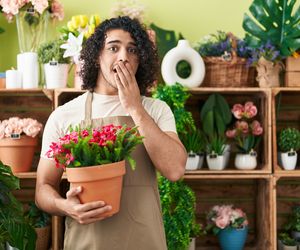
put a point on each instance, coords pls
(118, 41)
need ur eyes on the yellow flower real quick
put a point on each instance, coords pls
(70, 26)
(75, 21)
(95, 19)
(295, 54)
(90, 31)
(83, 20)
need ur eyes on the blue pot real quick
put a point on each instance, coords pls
(232, 239)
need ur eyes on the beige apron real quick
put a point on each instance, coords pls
(138, 225)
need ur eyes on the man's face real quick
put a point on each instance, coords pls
(118, 46)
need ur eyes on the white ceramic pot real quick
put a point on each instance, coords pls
(215, 162)
(9, 247)
(192, 245)
(56, 75)
(245, 161)
(192, 161)
(289, 160)
(201, 160)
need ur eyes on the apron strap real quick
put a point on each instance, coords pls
(88, 109)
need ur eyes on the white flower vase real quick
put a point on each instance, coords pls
(215, 162)
(192, 161)
(192, 245)
(183, 52)
(245, 161)
(28, 67)
(56, 75)
(289, 160)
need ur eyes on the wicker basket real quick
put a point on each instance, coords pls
(228, 72)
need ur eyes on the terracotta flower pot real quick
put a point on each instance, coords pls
(18, 153)
(43, 236)
(99, 183)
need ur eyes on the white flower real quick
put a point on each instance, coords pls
(73, 46)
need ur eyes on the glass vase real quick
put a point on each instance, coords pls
(32, 29)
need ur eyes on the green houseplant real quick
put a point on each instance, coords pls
(178, 208)
(14, 228)
(55, 65)
(293, 224)
(40, 220)
(215, 116)
(286, 242)
(288, 144)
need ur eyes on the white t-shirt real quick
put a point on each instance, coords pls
(73, 112)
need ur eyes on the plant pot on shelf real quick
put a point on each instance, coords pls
(192, 245)
(107, 179)
(18, 153)
(268, 73)
(232, 238)
(288, 160)
(227, 154)
(246, 161)
(292, 72)
(194, 161)
(215, 162)
(56, 75)
(43, 237)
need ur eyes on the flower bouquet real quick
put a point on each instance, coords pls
(18, 140)
(95, 160)
(230, 224)
(246, 133)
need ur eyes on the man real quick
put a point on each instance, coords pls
(119, 64)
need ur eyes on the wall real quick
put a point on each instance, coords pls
(193, 18)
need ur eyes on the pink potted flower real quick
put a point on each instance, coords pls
(230, 224)
(95, 160)
(246, 133)
(18, 140)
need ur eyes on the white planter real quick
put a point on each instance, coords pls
(289, 160)
(245, 161)
(56, 75)
(9, 247)
(201, 160)
(192, 161)
(192, 245)
(215, 162)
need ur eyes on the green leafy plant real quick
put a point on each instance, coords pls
(178, 208)
(83, 147)
(14, 228)
(273, 21)
(194, 142)
(216, 146)
(287, 240)
(289, 139)
(293, 223)
(51, 51)
(176, 96)
(215, 115)
(36, 217)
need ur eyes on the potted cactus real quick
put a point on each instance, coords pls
(288, 144)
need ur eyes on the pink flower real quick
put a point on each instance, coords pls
(242, 126)
(256, 128)
(40, 5)
(222, 221)
(231, 133)
(2, 131)
(57, 10)
(11, 6)
(237, 111)
(250, 110)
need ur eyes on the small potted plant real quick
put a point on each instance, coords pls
(230, 224)
(246, 134)
(55, 65)
(215, 157)
(194, 143)
(15, 231)
(288, 144)
(286, 242)
(40, 220)
(18, 140)
(293, 224)
(95, 160)
(178, 204)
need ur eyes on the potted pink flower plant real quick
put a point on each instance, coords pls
(18, 140)
(246, 133)
(230, 224)
(95, 160)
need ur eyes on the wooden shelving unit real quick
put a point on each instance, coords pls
(259, 192)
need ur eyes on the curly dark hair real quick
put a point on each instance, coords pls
(148, 67)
